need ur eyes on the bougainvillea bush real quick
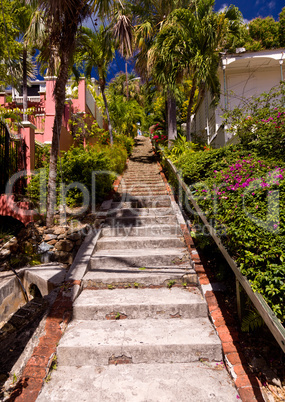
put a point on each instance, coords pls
(241, 190)
(259, 123)
(159, 138)
(245, 203)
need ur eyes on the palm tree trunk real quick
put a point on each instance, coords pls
(171, 118)
(189, 112)
(59, 95)
(127, 81)
(108, 117)
(25, 88)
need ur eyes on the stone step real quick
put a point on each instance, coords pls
(135, 193)
(141, 187)
(142, 178)
(139, 258)
(145, 180)
(154, 231)
(139, 304)
(95, 343)
(141, 220)
(137, 212)
(155, 202)
(145, 200)
(113, 243)
(173, 382)
(140, 277)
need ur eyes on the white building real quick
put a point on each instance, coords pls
(242, 75)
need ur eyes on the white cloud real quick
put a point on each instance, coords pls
(271, 5)
(222, 8)
(245, 21)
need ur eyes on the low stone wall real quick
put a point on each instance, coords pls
(37, 244)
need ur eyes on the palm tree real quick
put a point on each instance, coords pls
(167, 69)
(62, 19)
(97, 50)
(25, 15)
(123, 31)
(118, 87)
(151, 60)
(200, 36)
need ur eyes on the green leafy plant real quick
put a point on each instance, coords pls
(251, 321)
(241, 190)
(171, 283)
(78, 165)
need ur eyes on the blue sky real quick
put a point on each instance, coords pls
(254, 8)
(249, 8)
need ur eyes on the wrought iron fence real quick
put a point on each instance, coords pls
(12, 157)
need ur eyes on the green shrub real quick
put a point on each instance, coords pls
(260, 123)
(118, 157)
(119, 139)
(77, 165)
(126, 142)
(241, 189)
(240, 197)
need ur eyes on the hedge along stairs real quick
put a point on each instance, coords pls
(136, 335)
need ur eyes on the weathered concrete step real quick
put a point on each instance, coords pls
(151, 201)
(139, 258)
(142, 341)
(141, 187)
(183, 382)
(143, 176)
(137, 212)
(140, 304)
(143, 190)
(144, 231)
(113, 243)
(140, 277)
(154, 202)
(141, 220)
(142, 179)
(141, 172)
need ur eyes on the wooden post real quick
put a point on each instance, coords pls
(238, 300)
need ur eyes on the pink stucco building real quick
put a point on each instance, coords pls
(38, 128)
(40, 97)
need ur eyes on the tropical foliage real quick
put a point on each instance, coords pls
(241, 189)
(96, 50)
(77, 166)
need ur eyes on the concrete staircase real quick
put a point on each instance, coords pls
(135, 335)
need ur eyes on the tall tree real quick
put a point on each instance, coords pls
(97, 50)
(62, 18)
(30, 25)
(123, 31)
(167, 69)
(151, 16)
(118, 87)
(10, 49)
(200, 35)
